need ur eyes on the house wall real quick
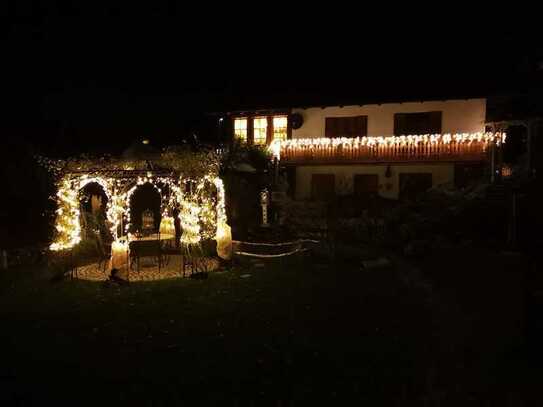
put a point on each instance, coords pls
(458, 116)
(388, 187)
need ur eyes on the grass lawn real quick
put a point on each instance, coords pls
(290, 332)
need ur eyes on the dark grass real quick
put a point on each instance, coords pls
(293, 332)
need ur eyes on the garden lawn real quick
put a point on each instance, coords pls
(279, 332)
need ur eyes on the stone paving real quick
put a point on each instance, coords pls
(148, 270)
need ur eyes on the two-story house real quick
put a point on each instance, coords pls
(389, 149)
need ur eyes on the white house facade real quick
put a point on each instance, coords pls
(458, 116)
(387, 149)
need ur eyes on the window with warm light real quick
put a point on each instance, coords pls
(240, 129)
(280, 128)
(260, 127)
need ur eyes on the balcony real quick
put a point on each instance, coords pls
(411, 148)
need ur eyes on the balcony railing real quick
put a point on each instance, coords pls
(428, 147)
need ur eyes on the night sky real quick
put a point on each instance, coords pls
(91, 79)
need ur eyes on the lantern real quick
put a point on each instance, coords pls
(148, 221)
(167, 226)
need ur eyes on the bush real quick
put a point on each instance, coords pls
(59, 263)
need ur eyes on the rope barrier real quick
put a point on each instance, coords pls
(266, 256)
(277, 244)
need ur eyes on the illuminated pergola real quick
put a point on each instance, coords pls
(200, 197)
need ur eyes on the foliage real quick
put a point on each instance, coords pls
(59, 263)
(240, 152)
(189, 163)
(89, 164)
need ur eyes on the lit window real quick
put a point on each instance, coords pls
(260, 126)
(280, 128)
(240, 129)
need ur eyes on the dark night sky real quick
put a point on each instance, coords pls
(90, 78)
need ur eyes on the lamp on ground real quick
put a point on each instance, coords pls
(119, 254)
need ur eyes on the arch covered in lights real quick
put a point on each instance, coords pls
(201, 201)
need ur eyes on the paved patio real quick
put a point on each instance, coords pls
(148, 270)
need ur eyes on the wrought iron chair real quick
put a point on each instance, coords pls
(197, 257)
(146, 248)
(167, 251)
(104, 253)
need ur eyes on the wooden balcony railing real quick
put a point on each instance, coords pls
(434, 147)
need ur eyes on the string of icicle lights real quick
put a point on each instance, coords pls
(349, 143)
(198, 208)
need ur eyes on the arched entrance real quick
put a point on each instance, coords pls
(145, 209)
(93, 202)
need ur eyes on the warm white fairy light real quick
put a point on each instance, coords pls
(486, 138)
(203, 196)
(197, 209)
(275, 148)
(68, 229)
(221, 210)
(155, 183)
(209, 219)
(189, 223)
(421, 144)
(67, 220)
(113, 211)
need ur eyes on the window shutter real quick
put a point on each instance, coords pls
(435, 123)
(356, 126)
(330, 127)
(417, 123)
(399, 124)
(361, 126)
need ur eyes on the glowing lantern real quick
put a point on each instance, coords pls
(167, 226)
(148, 220)
(224, 241)
(119, 254)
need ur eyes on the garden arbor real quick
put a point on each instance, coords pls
(197, 191)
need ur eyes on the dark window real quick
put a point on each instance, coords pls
(323, 186)
(417, 123)
(356, 126)
(365, 184)
(412, 184)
